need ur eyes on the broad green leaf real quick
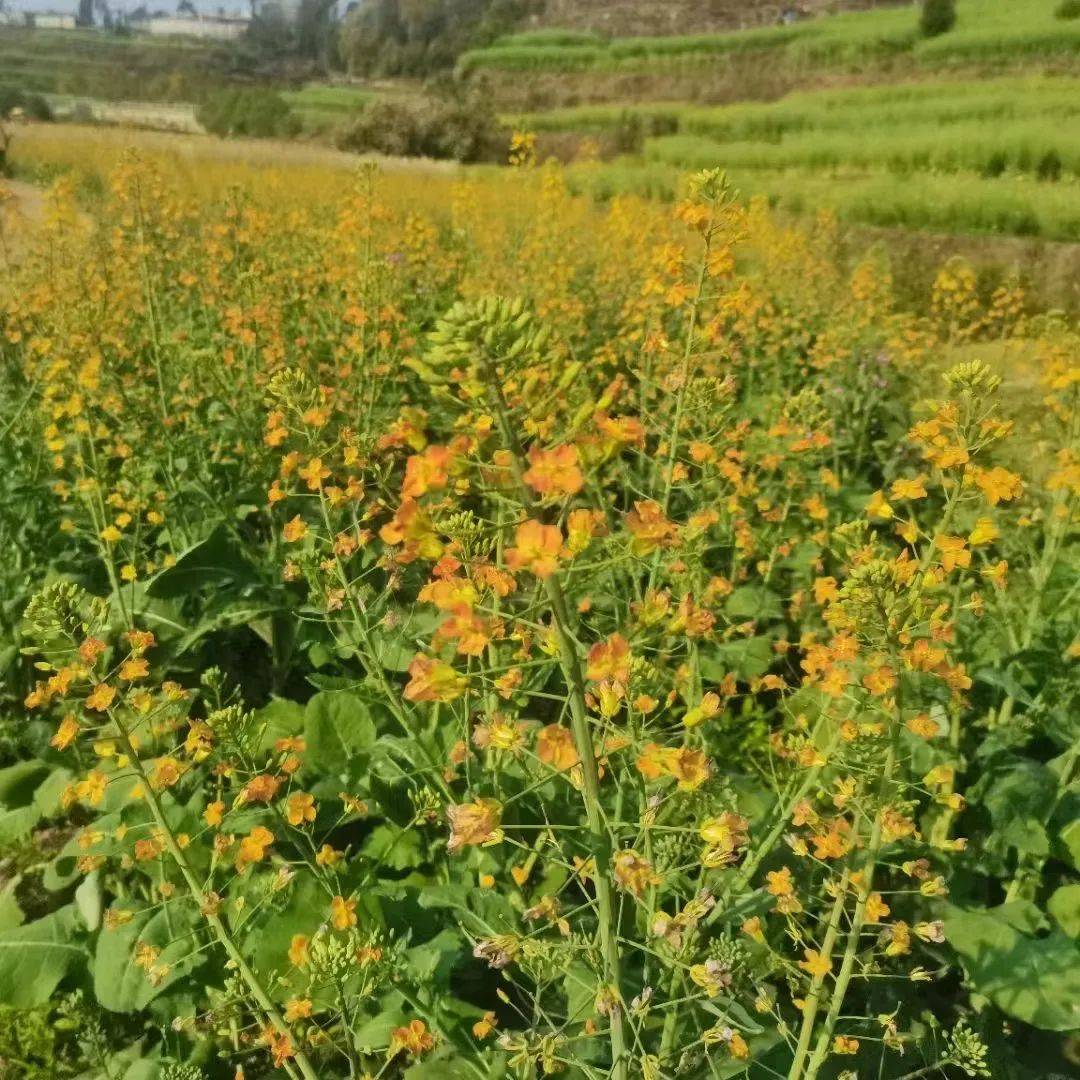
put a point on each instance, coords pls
(88, 899)
(281, 719)
(36, 956)
(746, 658)
(123, 986)
(1064, 906)
(753, 602)
(47, 796)
(433, 961)
(305, 910)
(398, 849)
(375, 1033)
(581, 987)
(16, 825)
(1070, 840)
(337, 727)
(1037, 980)
(11, 915)
(393, 799)
(214, 561)
(20, 781)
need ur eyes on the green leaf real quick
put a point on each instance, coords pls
(337, 727)
(16, 825)
(375, 1034)
(1064, 906)
(306, 909)
(20, 781)
(1036, 980)
(281, 719)
(217, 560)
(88, 899)
(11, 915)
(746, 658)
(394, 848)
(1019, 796)
(753, 602)
(581, 988)
(122, 986)
(1070, 839)
(432, 962)
(48, 794)
(36, 956)
(393, 799)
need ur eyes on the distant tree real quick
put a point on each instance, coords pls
(315, 30)
(938, 17)
(417, 37)
(186, 7)
(85, 16)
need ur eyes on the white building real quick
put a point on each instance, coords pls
(50, 20)
(208, 27)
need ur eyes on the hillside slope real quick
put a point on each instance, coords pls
(631, 18)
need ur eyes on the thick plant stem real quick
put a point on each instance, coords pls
(600, 841)
(221, 931)
(858, 921)
(814, 995)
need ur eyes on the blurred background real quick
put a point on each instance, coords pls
(935, 128)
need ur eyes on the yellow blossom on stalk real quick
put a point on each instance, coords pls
(691, 768)
(537, 549)
(294, 530)
(985, 532)
(911, 488)
(555, 747)
(634, 873)
(300, 809)
(298, 950)
(343, 912)
(253, 847)
(134, 669)
(414, 1039)
(707, 708)
(609, 660)
(433, 680)
(328, 856)
(815, 964)
(297, 1009)
(650, 528)
(101, 697)
(554, 473)
(878, 507)
(66, 733)
(998, 484)
(165, 773)
(474, 823)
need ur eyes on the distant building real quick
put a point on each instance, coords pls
(50, 20)
(208, 27)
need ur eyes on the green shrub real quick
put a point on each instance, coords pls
(259, 113)
(460, 128)
(938, 17)
(32, 105)
(1068, 9)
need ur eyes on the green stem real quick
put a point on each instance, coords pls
(600, 841)
(258, 992)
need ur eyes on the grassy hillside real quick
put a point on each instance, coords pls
(92, 63)
(998, 35)
(998, 156)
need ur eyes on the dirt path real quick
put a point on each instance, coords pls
(23, 202)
